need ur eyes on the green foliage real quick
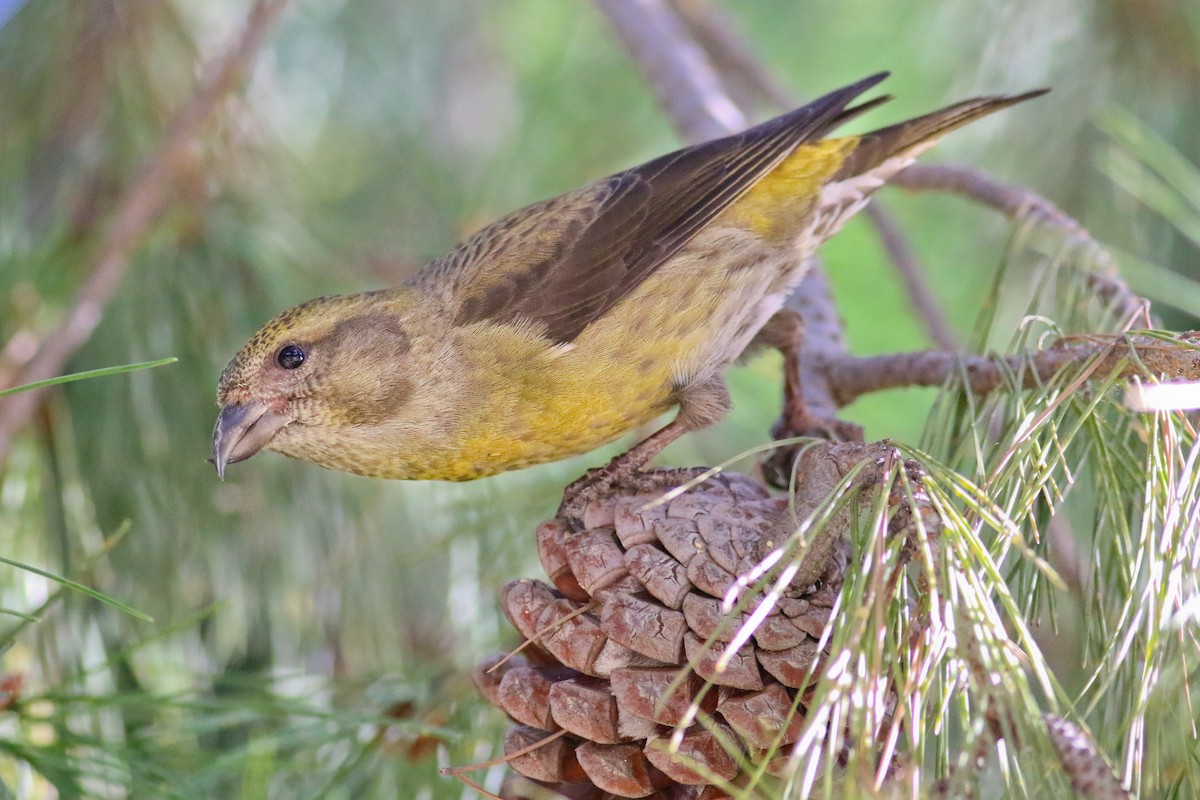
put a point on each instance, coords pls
(103, 372)
(1162, 181)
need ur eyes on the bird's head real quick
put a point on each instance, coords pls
(313, 372)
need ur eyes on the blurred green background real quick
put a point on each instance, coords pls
(292, 607)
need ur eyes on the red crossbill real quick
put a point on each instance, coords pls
(572, 321)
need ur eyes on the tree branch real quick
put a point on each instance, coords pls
(736, 64)
(140, 205)
(850, 377)
(678, 71)
(824, 340)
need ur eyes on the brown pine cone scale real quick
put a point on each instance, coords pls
(644, 627)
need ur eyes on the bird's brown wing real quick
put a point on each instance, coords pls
(567, 273)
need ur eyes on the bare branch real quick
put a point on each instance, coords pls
(824, 340)
(850, 377)
(684, 81)
(738, 66)
(1082, 760)
(140, 205)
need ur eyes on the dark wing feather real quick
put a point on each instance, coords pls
(631, 224)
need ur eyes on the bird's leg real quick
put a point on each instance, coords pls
(785, 332)
(700, 405)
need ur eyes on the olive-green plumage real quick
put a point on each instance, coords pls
(570, 322)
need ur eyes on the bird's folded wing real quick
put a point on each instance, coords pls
(578, 255)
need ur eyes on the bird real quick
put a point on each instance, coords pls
(575, 320)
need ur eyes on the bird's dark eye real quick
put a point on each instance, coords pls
(290, 357)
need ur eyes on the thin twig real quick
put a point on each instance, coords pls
(140, 205)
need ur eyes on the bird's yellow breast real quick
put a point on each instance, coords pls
(530, 405)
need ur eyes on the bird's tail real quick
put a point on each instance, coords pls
(906, 140)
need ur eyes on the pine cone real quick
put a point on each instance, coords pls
(635, 597)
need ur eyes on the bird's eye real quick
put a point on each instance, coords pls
(290, 357)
